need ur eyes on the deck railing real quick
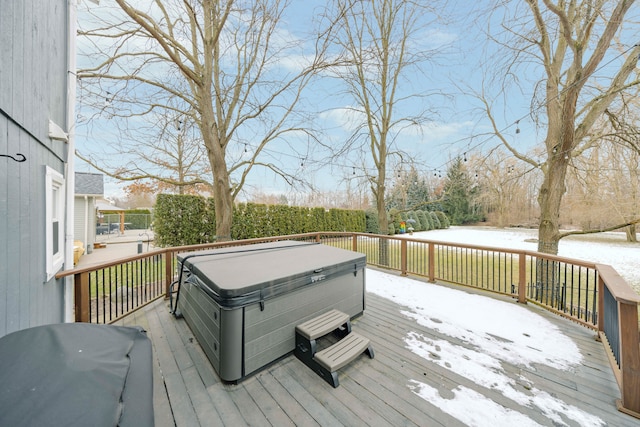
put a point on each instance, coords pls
(591, 294)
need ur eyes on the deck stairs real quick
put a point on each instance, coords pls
(328, 361)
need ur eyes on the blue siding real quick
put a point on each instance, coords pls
(33, 87)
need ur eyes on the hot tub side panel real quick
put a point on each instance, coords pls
(270, 333)
(203, 317)
(215, 329)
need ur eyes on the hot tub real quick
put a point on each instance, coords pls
(243, 303)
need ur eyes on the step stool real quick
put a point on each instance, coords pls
(327, 362)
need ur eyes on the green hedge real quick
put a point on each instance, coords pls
(184, 220)
(181, 220)
(136, 219)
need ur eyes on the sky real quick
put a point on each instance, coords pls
(484, 326)
(445, 84)
(444, 135)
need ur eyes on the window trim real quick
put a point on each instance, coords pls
(54, 187)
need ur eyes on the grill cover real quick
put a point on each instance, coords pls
(76, 374)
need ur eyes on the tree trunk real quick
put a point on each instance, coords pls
(222, 197)
(549, 199)
(631, 234)
(383, 221)
(560, 142)
(223, 202)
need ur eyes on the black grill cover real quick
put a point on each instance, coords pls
(76, 374)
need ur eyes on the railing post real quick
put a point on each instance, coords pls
(432, 263)
(354, 246)
(522, 278)
(629, 358)
(403, 257)
(600, 304)
(168, 272)
(82, 296)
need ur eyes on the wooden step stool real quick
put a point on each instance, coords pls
(327, 362)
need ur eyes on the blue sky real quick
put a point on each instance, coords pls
(453, 124)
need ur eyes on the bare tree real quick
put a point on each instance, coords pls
(572, 44)
(383, 43)
(504, 187)
(604, 189)
(165, 150)
(224, 62)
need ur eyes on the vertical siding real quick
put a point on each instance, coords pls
(85, 220)
(79, 206)
(4, 216)
(6, 53)
(32, 92)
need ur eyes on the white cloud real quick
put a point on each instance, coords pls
(438, 132)
(349, 118)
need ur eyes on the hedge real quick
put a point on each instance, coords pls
(185, 219)
(181, 220)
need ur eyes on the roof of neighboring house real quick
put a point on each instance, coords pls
(107, 207)
(89, 184)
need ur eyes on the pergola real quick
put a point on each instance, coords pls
(105, 208)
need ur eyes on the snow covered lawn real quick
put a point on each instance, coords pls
(602, 248)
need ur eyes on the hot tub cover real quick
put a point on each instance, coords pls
(243, 275)
(76, 375)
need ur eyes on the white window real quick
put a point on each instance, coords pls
(54, 189)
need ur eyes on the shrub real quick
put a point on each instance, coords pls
(372, 223)
(424, 220)
(444, 219)
(435, 221)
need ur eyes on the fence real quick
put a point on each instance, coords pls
(111, 222)
(592, 295)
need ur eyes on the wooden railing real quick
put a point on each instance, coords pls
(591, 294)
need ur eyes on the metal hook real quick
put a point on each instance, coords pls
(20, 157)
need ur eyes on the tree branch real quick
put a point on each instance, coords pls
(599, 230)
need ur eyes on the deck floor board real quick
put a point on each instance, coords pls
(375, 392)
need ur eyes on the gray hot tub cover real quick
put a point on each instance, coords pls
(76, 374)
(239, 276)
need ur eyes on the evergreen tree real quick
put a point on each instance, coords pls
(410, 191)
(458, 201)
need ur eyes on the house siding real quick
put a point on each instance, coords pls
(33, 88)
(85, 220)
(88, 187)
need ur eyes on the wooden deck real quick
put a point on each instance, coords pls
(187, 391)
